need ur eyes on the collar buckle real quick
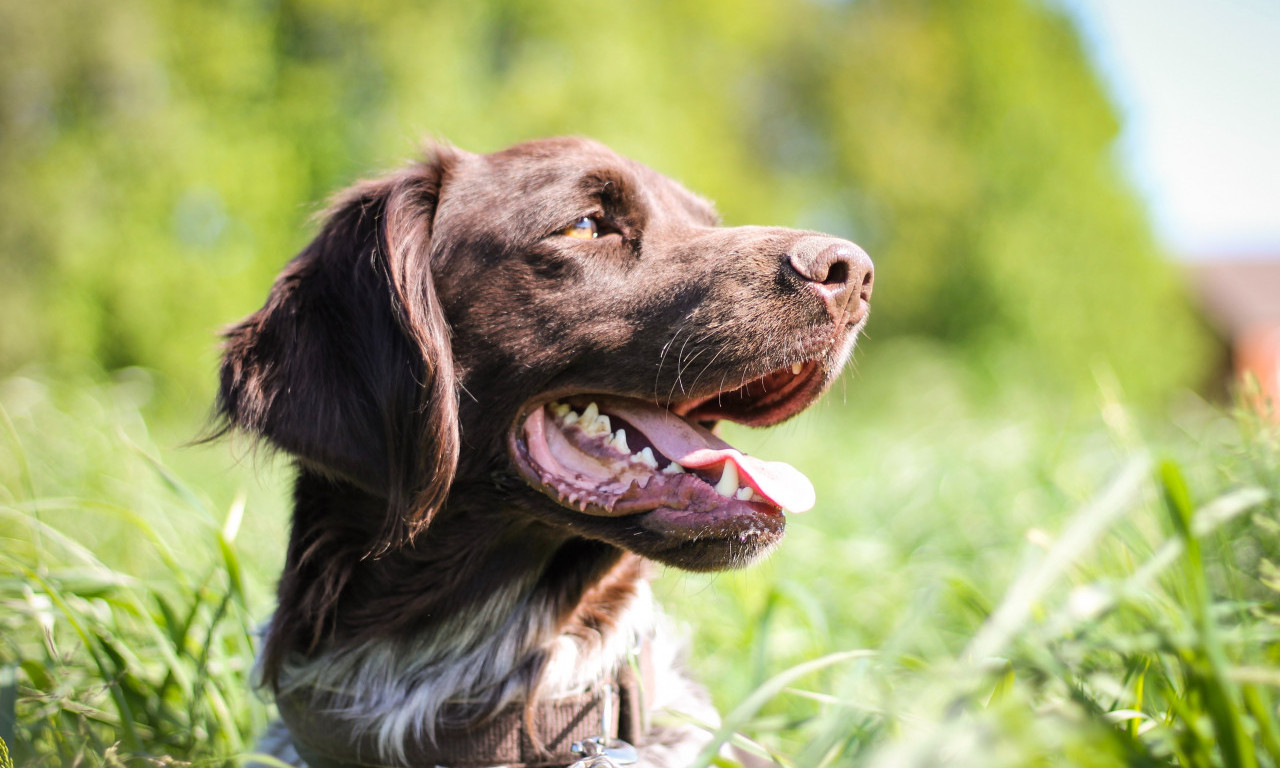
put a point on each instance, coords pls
(604, 751)
(599, 752)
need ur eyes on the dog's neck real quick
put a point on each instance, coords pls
(483, 609)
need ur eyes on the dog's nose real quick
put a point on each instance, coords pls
(837, 270)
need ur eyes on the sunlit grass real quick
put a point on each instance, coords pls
(981, 584)
(125, 613)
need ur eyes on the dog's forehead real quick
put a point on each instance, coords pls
(567, 172)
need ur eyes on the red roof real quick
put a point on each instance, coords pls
(1239, 293)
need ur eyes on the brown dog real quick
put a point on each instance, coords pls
(497, 374)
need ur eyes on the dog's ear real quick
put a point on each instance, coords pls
(348, 365)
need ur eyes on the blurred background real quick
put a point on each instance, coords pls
(1072, 206)
(161, 159)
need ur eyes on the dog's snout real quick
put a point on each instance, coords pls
(837, 270)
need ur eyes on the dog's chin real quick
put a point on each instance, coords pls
(654, 478)
(732, 540)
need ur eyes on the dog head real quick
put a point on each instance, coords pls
(560, 327)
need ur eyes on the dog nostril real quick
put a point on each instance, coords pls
(839, 270)
(837, 274)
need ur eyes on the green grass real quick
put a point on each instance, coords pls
(982, 583)
(126, 613)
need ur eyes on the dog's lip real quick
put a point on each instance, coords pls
(679, 509)
(654, 459)
(763, 401)
(697, 500)
(776, 405)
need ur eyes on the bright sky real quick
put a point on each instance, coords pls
(1198, 84)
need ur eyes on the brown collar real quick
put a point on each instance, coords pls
(505, 738)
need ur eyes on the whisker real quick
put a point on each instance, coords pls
(662, 359)
(707, 367)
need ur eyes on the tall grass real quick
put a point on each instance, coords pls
(1027, 591)
(126, 614)
(980, 585)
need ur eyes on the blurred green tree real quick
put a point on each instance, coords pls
(160, 157)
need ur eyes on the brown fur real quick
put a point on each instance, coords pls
(397, 350)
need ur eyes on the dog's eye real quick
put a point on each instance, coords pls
(585, 228)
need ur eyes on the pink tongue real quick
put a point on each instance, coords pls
(693, 447)
(782, 484)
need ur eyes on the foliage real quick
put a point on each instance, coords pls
(1028, 594)
(161, 158)
(128, 637)
(974, 588)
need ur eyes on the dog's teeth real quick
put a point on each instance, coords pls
(673, 469)
(570, 418)
(745, 493)
(796, 368)
(646, 457)
(619, 440)
(593, 422)
(728, 484)
(598, 427)
(560, 410)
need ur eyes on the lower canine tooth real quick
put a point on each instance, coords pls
(728, 484)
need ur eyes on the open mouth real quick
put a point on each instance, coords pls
(610, 456)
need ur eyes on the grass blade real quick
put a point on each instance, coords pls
(1210, 669)
(742, 713)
